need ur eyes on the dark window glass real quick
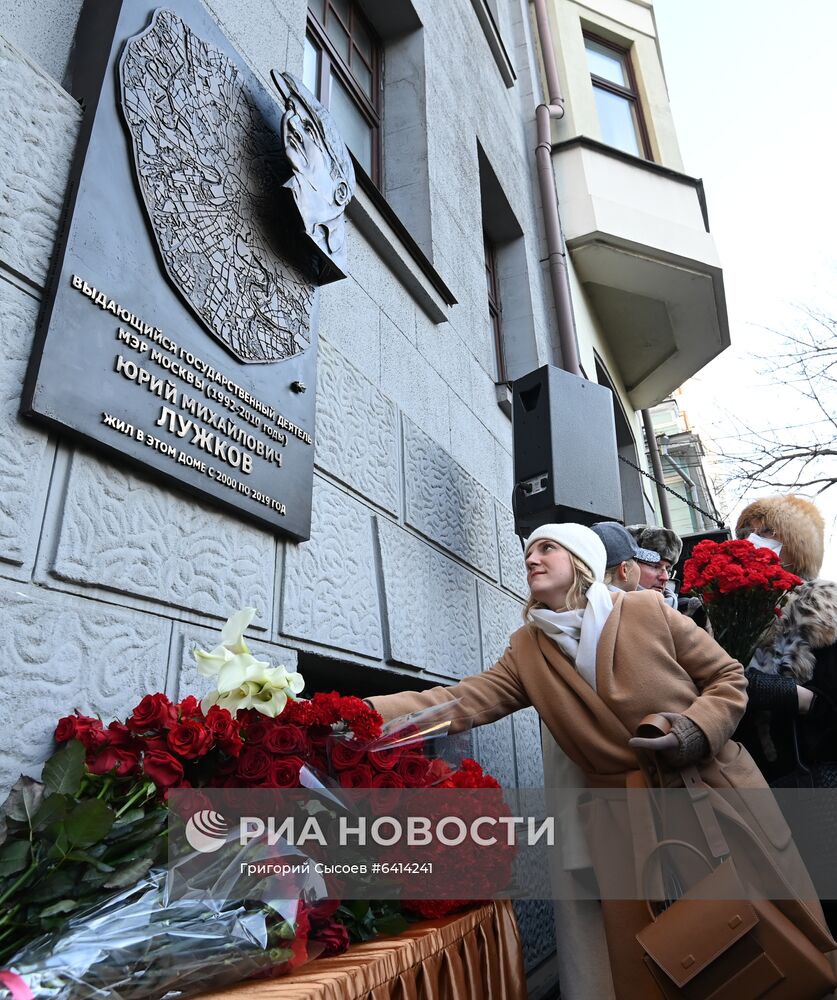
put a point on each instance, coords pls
(495, 309)
(617, 99)
(343, 59)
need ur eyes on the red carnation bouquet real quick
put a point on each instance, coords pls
(742, 587)
(82, 851)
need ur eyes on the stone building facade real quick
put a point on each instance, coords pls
(413, 573)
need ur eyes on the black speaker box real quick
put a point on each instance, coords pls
(565, 459)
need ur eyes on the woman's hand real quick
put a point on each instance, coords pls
(657, 744)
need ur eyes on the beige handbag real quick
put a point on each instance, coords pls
(715, 944)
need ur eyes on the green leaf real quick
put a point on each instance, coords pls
(60, 884)
(128, 819)
(62, 844)
(88, 823)
(393, 923)
(93, 878)
(52, 809)
(98, 850)
(64, 906)
(23, 800)
(88, 858)
(64, 770)
(148, 827)
(14, 857)
(358, 908)
(284, 930)
(130, 874)
(279, 955)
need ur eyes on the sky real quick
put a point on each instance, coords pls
(753, 91)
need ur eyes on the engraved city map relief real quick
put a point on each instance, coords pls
(210, 169)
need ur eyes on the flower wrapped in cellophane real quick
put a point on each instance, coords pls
(141, 943)
(93, 902)
(742, 588)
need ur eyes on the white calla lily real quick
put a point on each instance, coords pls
(243, 681)
(239, 669)
(232, 634)
(210, 664)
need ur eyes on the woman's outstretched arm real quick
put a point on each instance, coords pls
(475, 701)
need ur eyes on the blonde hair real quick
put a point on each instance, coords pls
(583, 580)
(610, 574)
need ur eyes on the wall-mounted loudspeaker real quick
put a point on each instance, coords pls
(565, 460)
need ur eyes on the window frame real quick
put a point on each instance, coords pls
(630, 93)
(330, 60)
(495, 308)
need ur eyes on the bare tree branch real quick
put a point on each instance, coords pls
(801, 455)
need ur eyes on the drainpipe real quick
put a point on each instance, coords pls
(691, 486)
(657, 466)
(556, 251)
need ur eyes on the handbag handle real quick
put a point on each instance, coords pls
(658, 725)
(653, 851)
(652, 726)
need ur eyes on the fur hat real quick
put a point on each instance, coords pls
(662, 540)
(796, 523)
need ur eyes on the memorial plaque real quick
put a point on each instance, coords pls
(204, 209)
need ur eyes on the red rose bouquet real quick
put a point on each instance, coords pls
(81, 852)
(742, 588)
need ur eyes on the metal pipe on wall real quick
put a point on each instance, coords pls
(657, 466)
(556, 250)
(691, 485)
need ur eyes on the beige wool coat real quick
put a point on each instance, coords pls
(649, 659)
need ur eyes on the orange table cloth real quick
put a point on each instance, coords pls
(476, 954)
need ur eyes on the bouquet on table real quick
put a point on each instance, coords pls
(743, 589)
(86, 904)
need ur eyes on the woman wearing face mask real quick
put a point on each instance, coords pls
(594, 664)
(791, 720)
(797, 656)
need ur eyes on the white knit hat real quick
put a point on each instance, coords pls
(575, 538)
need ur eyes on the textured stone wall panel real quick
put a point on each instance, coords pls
(500, 615)
(188, 638)
(38, 129)
(431, 606)
(495, 745)
(126, 534)
(330, 593)
(357, 433)
(60, 653)
(512, 568)
(536, 919)
(350, 320)
(447, 504)
(22, 444)
(527, 742)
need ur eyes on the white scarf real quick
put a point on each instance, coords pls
(576, 633)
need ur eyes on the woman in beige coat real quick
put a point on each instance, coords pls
(594, 664)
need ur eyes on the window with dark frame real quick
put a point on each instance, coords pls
(342, 67)
(617, 98)
(495, 308)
